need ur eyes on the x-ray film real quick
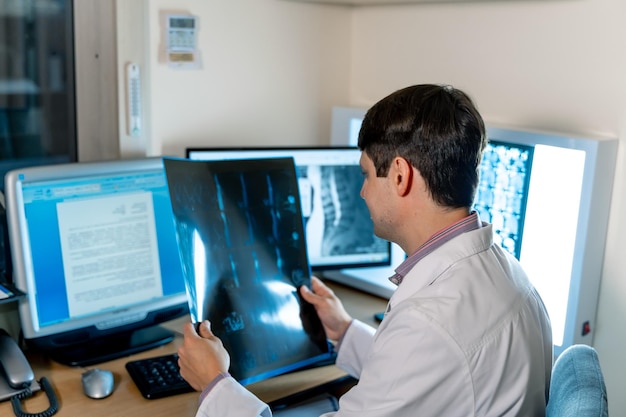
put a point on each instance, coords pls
(241, 241)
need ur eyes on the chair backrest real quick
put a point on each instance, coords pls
(577, 387)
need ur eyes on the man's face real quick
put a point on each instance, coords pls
(377, 195)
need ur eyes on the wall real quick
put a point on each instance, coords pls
(547, 65)
(270, 72)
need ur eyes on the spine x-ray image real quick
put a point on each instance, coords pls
(336, 217)
(241, 241)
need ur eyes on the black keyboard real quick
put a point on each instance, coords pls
(158, 377)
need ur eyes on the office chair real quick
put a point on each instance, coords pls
(577, 387)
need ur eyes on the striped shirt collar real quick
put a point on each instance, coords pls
(467, 224)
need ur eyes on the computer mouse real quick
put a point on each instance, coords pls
(97, 383)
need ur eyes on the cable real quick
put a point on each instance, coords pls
(47, 388)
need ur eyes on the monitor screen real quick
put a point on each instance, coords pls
(503, 189)
(339, 231)
(94, 247)
(241, 239)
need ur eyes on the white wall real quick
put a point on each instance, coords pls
(553, 64)
(548, 65)
(270, 72)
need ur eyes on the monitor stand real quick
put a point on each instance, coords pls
(112, 347)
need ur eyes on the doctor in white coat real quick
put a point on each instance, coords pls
(465, 333)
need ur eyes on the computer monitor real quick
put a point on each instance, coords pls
(548, 196)
(241, 239)
(565, 224)
(94, 248)
(339, 231)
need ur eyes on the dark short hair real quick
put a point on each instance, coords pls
(438, 129)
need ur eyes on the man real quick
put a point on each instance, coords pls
(465, 333)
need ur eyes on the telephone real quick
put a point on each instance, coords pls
(17, 380)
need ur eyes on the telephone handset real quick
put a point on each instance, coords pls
(16, 369)
(17, 380)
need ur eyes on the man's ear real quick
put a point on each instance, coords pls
(402, 175)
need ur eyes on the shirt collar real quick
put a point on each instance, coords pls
(467, 224)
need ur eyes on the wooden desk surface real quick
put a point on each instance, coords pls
(127, 401)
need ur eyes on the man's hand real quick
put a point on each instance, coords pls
(201, 357)
(329, 308)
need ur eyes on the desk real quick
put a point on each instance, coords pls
(127, 401)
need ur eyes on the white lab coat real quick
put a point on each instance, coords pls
(465, 334)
